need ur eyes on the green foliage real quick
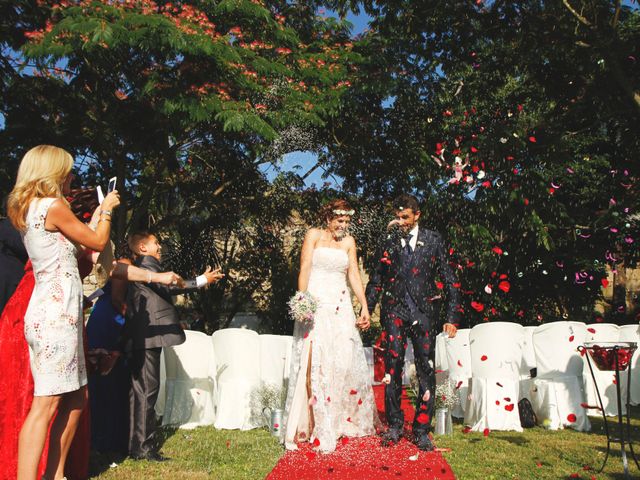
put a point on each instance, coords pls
(542, 106)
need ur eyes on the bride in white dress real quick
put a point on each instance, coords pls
(330, 394)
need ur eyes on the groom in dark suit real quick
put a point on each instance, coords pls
(412, 275)
(152, 323)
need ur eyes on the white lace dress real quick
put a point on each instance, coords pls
(341, 399)
(53, 321)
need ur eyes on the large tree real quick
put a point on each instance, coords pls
(183, 101)
(541, 100)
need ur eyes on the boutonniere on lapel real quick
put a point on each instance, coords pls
(419, 243)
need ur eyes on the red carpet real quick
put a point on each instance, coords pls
(364, 458)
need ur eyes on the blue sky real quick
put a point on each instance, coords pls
(301, 162)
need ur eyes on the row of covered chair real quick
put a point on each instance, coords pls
(494, 365)
(211, 380)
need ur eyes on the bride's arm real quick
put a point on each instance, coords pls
(355, 281)
(306, 254)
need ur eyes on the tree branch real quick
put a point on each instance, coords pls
(579, 17)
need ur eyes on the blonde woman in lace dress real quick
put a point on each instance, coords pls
(330, 393)
(53, 321)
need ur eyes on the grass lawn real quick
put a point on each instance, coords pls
(538, 453)
(534, 454)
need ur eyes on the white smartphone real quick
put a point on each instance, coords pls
(100, 194)
(112, 184)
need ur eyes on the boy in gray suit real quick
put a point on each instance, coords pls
(152, 323)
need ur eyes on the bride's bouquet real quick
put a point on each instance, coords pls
(302, 307)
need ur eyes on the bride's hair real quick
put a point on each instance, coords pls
(334, 209)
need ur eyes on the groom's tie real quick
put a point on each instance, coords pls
(406, 251)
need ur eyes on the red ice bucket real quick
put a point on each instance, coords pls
(604, 354)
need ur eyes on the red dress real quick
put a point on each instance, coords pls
(16, 390)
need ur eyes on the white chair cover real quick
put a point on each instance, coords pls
(237, 352)
(631, 333)
(190, 382)
(441, 353)
(496, 353)
(528, 363)
(458, 358)
(274, 353)
(558, 395)
(603, 332)
(409, 368)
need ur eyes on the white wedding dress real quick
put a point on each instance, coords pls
(340, 399)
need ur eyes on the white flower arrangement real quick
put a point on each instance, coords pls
(446, 395)
(302, 307)
(344, 212)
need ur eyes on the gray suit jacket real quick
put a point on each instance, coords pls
(152, 319)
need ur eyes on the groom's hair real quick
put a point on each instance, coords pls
(406, 201)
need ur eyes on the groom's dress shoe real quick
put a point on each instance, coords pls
(391, 437)
(151, 457)
(423, 442)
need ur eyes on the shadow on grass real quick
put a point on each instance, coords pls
(100, 462)
(517, 439)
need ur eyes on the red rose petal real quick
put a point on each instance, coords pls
(316, 443)
(483, 358)
(509, 408)
(344, 440)
(485, 432)
(422, 418)
(591, 330)
(571, 338)
(353, 392)
(477, 306)
(571, 418)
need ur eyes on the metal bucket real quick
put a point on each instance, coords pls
(444, 424)
(273, 419)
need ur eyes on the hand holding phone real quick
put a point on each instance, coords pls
(112, 184)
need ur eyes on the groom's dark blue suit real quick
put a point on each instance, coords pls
(412, 283)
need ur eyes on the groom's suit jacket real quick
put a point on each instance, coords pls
(426, 276)
(152, 319)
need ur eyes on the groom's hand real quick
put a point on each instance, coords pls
(449, 329)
